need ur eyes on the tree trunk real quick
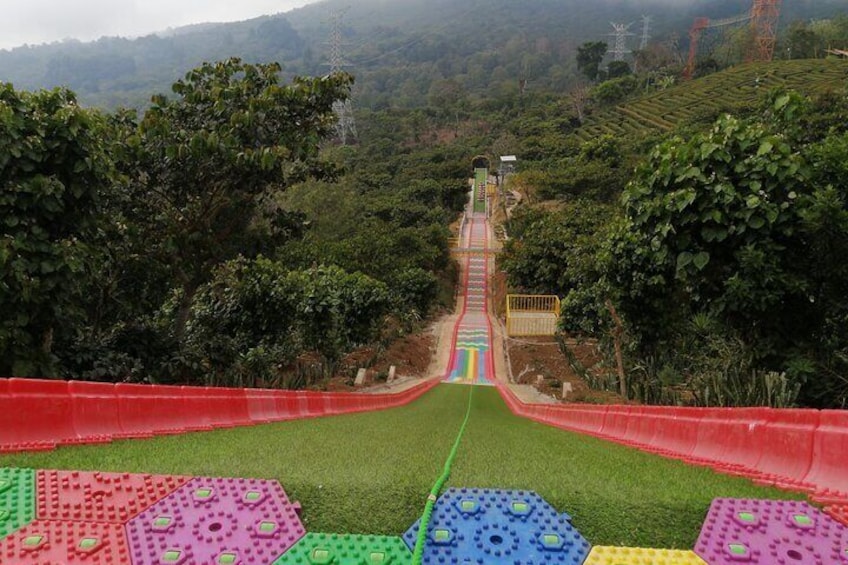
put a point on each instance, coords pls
(184, 311)
(619, 358)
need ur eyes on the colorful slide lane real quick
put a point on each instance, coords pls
(472, 361)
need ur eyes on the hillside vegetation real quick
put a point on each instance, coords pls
(403, 53)
(164, 248)
(223, 236)
(742, 85)
(715, 267)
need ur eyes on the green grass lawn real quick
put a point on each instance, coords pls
(370, 473)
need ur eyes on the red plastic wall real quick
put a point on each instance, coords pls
(803, 450)
(41, 414)
(95, 411)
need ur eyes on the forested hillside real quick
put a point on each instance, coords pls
(695, 231)
(403, 54)
(706, 249)
(166, 248)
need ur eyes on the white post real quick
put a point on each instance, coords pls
(360, 377)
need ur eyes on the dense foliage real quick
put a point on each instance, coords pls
(723, 225)
(167, 249)
(726, 265)
(256, 316)
(222, 238)
(52, 167)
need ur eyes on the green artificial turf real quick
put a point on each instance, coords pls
(370, 473)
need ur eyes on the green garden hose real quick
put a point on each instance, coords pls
(418, 553)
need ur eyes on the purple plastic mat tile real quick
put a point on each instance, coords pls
(770, 532)
(212, 521)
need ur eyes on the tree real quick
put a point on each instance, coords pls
(743, 225)
(246, 312)
(705, 212)
(656, 57)
(615, 90)
(580, 96)
(205, 159)
(53, 167)
(338, 310)
(555, 252)
(589, 57)
(618, 69)
(802, 42)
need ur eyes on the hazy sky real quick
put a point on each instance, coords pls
(40, 21)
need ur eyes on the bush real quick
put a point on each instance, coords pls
(256, 316)
(736, 224)
(615, 90)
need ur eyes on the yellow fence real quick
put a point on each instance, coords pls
(528, 315)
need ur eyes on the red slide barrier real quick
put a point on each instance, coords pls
(803, 450)
(589, 419)
(728, 438)
(828, 475)
(41, 414)
(679, 436)
(787, 441)
(615, 423)
(36, 415)
(226, 407)
(145, 410)
(95, 410)
(261, 406)
(287, 405)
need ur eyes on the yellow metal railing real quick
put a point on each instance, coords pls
(532, 303)
(531, 315)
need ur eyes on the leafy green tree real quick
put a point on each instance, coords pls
(742, 224)
(617, 69)
(589, 57)
(802, 42)
(248, 310)
(205, 159)
(710, 211)
(53, 168)
(615, 90)
(338, 311)
(833, 32)
(599, 170)
(556, 252)
(257, 312)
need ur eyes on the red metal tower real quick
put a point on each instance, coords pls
(694, 38)
(765, 15)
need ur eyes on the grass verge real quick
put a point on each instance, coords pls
(370, 473)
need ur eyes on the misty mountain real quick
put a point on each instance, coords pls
(400, 51)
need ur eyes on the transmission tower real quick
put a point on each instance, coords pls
(621, 33)
(646, 32)
(765, 15)
(346, 125)
(698, 28)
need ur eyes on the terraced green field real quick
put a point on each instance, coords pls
(663, 110)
